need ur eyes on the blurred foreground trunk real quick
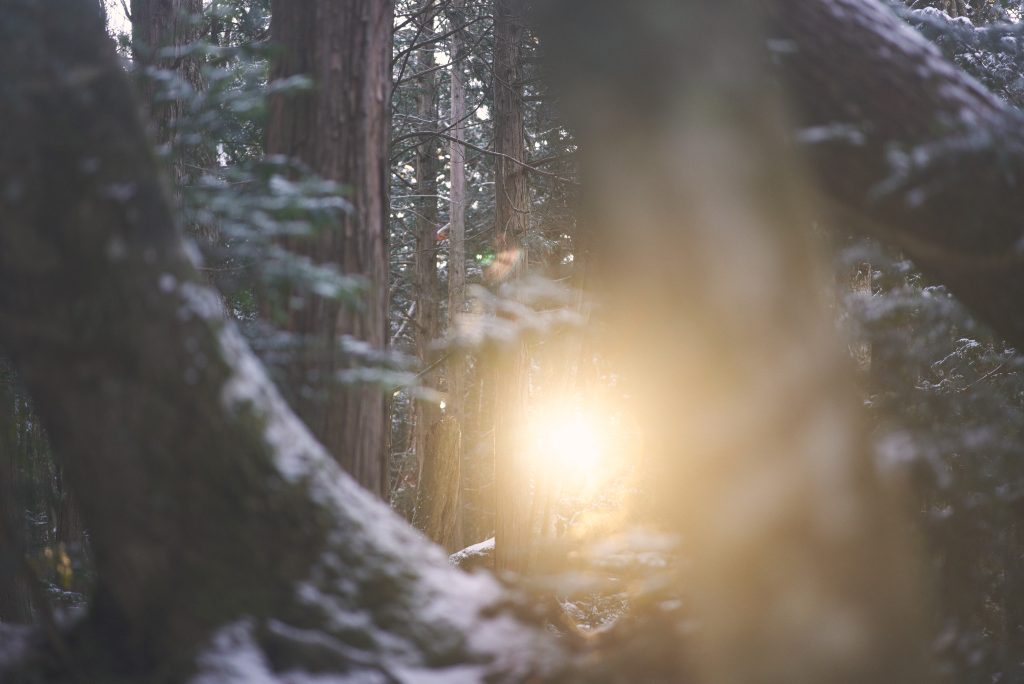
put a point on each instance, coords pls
(802, 568)
(909, 148)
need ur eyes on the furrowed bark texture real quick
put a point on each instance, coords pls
(437, 496)
(900, 137)
(339, 130)
(428, 288)
(798, 567)
(456, 367)
(228, 544)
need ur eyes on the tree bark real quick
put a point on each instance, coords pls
(437, 496)
(15, 597)
(910, 148)
(339, 130)
(511, 221)
(160, 27)
(427, 286)
(456, 370)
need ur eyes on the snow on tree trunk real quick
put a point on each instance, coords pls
(910, 148)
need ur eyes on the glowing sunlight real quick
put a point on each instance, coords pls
(570, 442)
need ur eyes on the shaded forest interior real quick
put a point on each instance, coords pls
(493, 340)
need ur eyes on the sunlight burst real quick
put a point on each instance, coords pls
(569, 443)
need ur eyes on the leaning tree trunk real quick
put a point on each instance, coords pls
(228, 545)
(339, 129)
(912, 149)
(511, 221)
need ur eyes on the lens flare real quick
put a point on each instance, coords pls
(569, 443)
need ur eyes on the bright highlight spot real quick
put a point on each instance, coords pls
(570, 444)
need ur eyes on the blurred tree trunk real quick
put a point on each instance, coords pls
(799, 568)
(909, 148)
(339, 129)
(511, 219)
(956, 8)
(161, 30)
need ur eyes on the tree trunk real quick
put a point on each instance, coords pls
(456, 370)
(909, 148)
(160, 29)
(437, 496)
(799, 568)
(427, 287)
(339, 129)
(511, 217)
(15, 597)
(221, 529)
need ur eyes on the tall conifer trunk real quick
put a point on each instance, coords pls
(427, 288)
(456, 371)
(339, 129)
(161, 31)
(511, 221)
